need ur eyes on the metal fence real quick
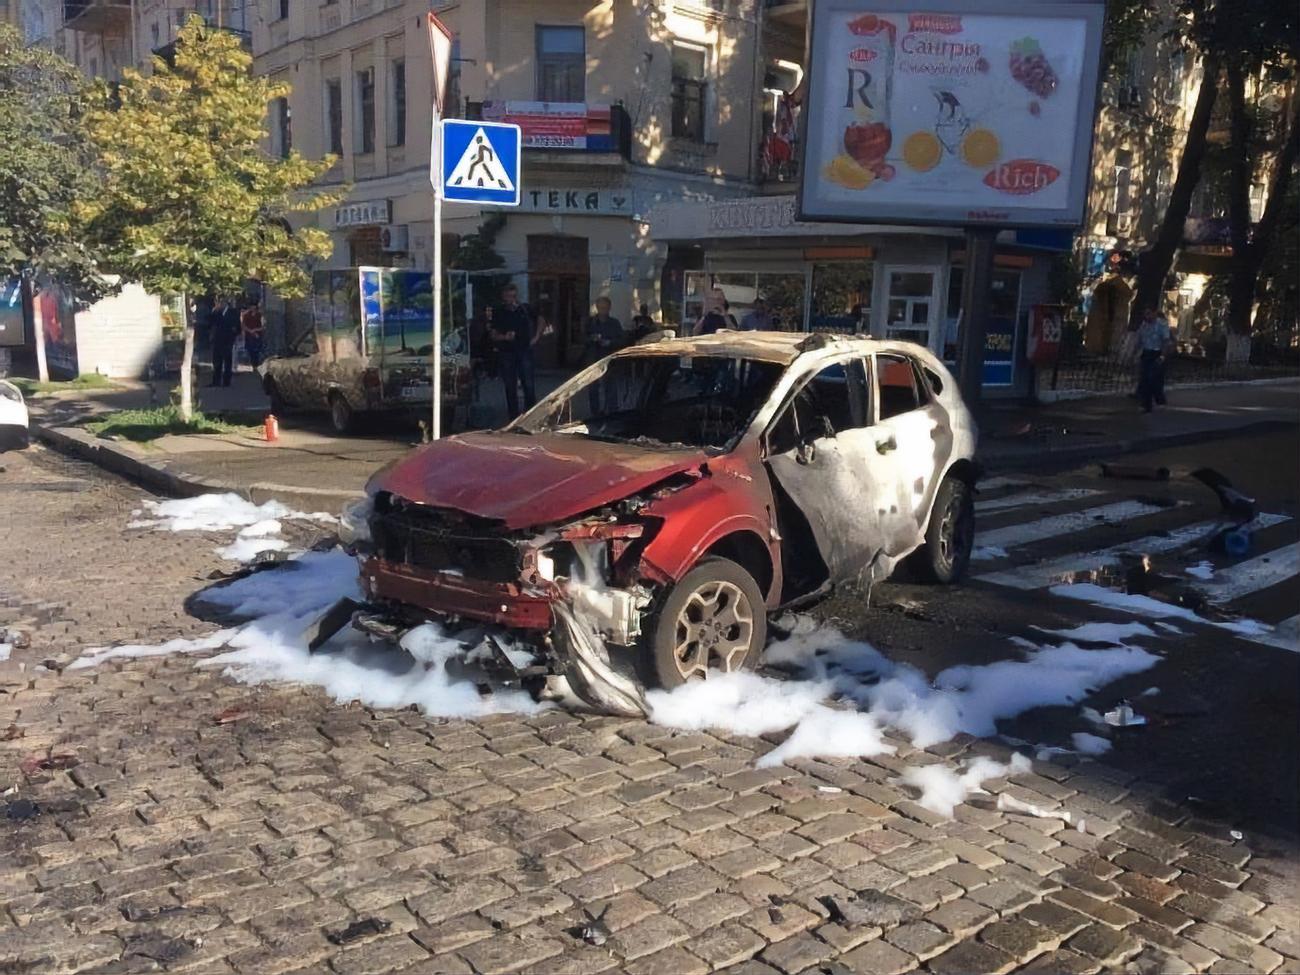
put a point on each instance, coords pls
(1115, 371)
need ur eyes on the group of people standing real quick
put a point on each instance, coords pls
(227, 322)
(513, 330)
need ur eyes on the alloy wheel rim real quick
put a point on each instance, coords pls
(713, 629)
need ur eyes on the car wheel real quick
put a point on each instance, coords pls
(341, 415)
(951, 535)
(714, 619)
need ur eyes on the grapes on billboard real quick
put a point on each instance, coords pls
(952, 113)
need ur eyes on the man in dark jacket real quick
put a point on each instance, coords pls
(224, 329)
(515, 332)
(604, 335)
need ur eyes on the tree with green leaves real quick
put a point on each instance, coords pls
(1246, 44)
(1260, 44)
(46, 166)
(190, 202)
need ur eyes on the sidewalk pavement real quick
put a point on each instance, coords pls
(1014, 436)
(314, 469)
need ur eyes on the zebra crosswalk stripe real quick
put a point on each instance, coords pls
(1253, 575)
(1043, 574)
(1066, 524)
(1285, 636)
(1024, 500)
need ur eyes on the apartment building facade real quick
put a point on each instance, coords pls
(102, 37)
(623, 103)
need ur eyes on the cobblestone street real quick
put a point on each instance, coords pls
(202, 825)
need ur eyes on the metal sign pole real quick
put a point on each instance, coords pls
(437, 313)
(976, 293)
(440, 41)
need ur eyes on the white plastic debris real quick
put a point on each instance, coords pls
(833, 789)
(1123, 716)
(1236, 834)
(1008, 803)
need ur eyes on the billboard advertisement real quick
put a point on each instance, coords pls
(557, 125)
(953, 113)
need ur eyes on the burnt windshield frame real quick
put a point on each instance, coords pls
(738, 385)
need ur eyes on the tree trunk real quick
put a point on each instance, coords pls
(187, 368)
(1157, 259)
(1241, 279)
(38, 327)
(1244, 283)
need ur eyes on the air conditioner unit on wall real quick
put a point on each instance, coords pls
(395, 238)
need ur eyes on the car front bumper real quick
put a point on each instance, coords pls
(503, 604)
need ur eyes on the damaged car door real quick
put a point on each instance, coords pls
(819, 451)
(913, 448)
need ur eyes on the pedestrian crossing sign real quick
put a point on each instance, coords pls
(480, 162)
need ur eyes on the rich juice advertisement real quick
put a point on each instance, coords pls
(949, 109)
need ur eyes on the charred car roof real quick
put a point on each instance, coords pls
(779, 347)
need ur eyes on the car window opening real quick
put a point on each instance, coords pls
(833, 401)
(664, 401)
(896, 380)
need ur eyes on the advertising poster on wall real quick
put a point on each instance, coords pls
(959, 114)
(557, 125)
(57, 320)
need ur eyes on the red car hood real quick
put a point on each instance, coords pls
(526, 481)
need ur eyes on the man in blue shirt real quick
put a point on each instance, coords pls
(1155, 342)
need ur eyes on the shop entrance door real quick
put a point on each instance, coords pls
(559, 287)
(562, 300)
(912, 306)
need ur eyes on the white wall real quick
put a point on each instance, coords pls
(119, 336)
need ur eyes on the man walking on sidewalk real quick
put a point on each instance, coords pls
(224, 329)
(1155, 342)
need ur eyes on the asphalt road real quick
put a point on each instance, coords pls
(157, 815)
(1222, 732)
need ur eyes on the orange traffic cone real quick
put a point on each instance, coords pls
(271, 428)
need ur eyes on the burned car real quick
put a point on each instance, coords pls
(639, 524)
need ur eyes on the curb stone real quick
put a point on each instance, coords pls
(155, 476)
(1053, 457)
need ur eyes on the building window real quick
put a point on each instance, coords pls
(334, 115)
(397, 103)
(689, 91)
(1258, 195)
(561, 64)
(282, 9)
(1122, 204)
(452, 107)
(283, 128)
(365, 114)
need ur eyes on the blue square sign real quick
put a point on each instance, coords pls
(480, 162)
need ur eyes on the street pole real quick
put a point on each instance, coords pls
(976, 292)
(440, 43)
(437, 314)
(435, 173)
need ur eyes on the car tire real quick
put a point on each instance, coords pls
(713, 620)
(944, 557)
(342, 417)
